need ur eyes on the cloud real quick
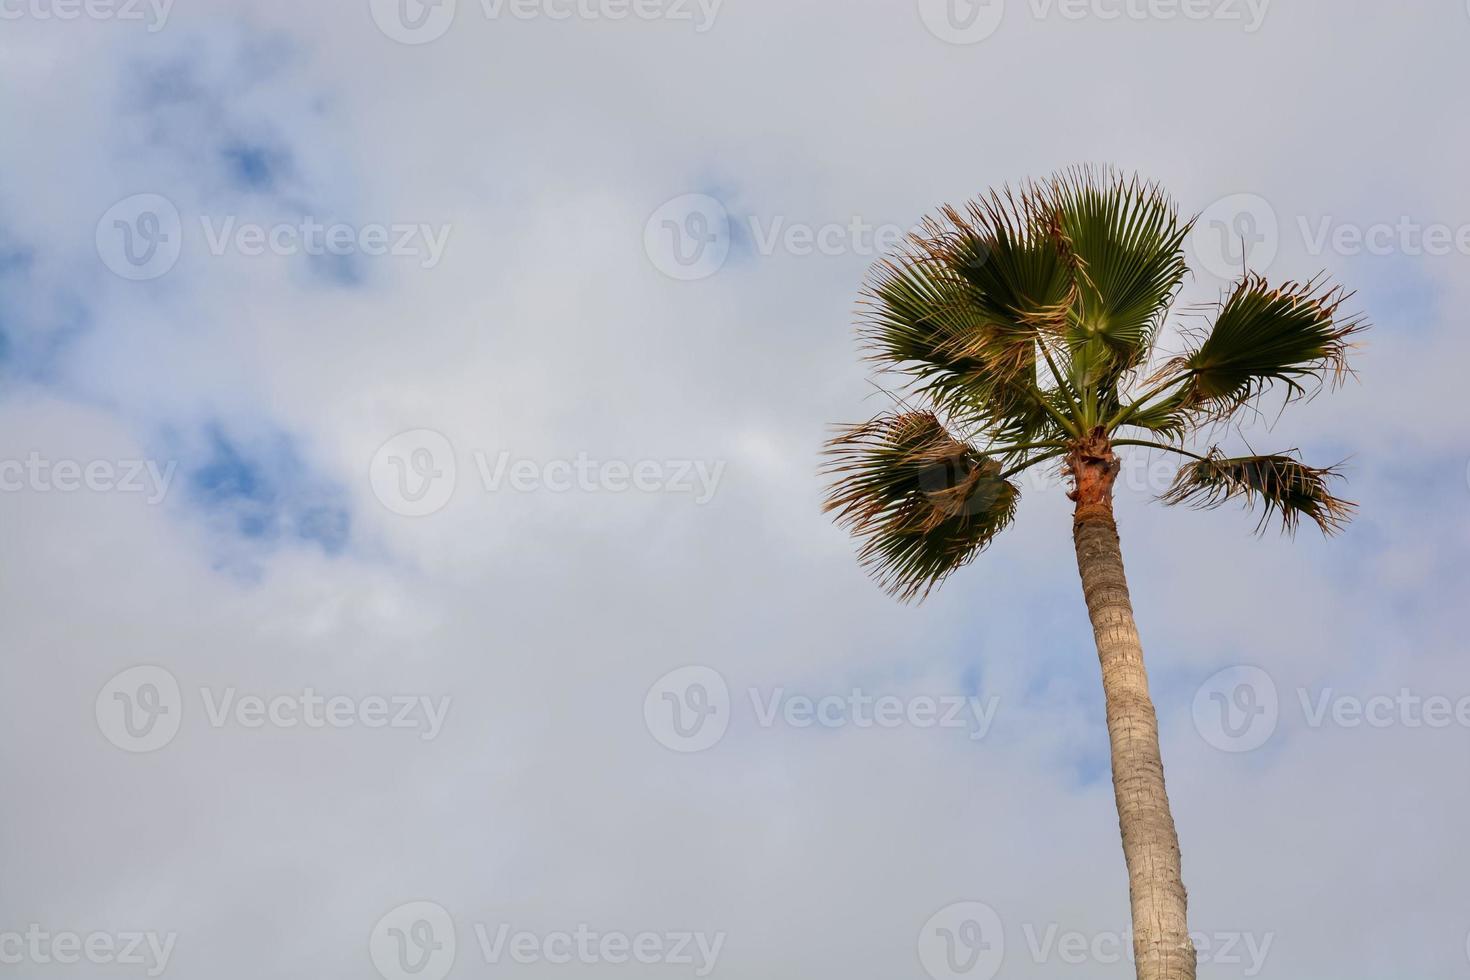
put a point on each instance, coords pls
(545, 331)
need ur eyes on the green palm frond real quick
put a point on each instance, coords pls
(1024, 320)
(1282, 483)
(922, 502)
(1166, 417)
(1009, 248)
(926, 321)
(1127, 242)
(961, 309)
(1292, 334)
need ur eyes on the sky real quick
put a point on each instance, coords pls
(413, 559)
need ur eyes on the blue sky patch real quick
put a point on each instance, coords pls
(254, 166)
(262, 492)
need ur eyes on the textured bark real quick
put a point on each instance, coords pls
(1161, 941)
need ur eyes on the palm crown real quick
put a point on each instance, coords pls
(1026, 327)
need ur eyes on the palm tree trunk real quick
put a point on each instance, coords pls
(1161, 944)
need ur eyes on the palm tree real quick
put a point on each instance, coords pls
(1025, 328)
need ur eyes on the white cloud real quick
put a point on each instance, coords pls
(546, 331)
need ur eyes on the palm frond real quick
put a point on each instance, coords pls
(922, 502)
(924, 320)
(1126, 240)
(1292, 334)
(1282, 484)
(962, 306)
(1010, 250)
(1023, 322)
(1165, 418)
